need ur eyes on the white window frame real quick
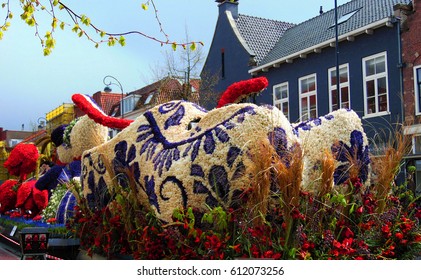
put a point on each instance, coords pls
(375, 77)
(417, 85)
(282, 101)
(342, 85)
(129, 103)
(414, 143)
(307, 95)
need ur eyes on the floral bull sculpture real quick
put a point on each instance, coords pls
(179, 155)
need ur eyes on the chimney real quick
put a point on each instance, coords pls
(321, 10)
(228, 5)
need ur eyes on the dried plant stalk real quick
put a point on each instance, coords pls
(386, 167)
(289, 176)
(289, 172)
(258, 199)
(327, 169)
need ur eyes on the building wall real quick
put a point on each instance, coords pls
(236, 58)
(411, 54)
(382, 40)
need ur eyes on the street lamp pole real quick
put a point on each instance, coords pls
(42, 123)
(338, 89)
(113, 81)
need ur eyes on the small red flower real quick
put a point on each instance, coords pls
(399, 235)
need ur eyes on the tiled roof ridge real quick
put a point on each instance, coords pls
(34, 136)
(267, 19)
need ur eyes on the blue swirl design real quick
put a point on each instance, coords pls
(342, 153)
(151, 136)
(176, 118)
(179, 184)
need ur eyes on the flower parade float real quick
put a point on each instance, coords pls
(239, 181)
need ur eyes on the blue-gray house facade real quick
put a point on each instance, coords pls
(301, 65)
(239, 43)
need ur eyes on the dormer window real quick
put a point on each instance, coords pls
(148, 99)
(344, 18)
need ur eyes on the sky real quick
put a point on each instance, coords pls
(32, 84)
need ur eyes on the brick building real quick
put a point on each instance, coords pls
(410, 16)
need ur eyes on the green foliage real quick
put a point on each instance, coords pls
(56, 195)
(81, 25)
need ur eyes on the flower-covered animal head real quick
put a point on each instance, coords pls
(81, 134)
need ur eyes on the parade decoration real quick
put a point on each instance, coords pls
(181, 155)
(20, 195)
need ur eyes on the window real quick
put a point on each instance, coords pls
(14, 142)
(280, 98)
(344, 98)
(416, 144)
(376, 97)
(417, 89)
(308, 97)
(129, 103)
(148, 100)
(223, 63)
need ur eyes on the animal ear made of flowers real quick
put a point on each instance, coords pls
(179, 155)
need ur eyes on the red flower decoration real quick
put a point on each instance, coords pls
(240, 90)
(7, 196)
(22, 160)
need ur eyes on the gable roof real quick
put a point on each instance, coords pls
(35, 136)
(106, 100)
(261, 34)
(164, 90)
(320, 31)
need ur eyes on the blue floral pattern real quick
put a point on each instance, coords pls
(343, 152)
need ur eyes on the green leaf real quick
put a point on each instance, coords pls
(62, 25)
(111, 41)
(1, 35)
(145, 6)
(193, 46)
(50, 43)
(24, 16)
(174, 46)
(75, 28)
(47, 51)
(31, 21)
(54, 23)
(3, 5)
(85, 20)
(80, 33)
(352, 209)
(102, 34)
(55, 2)
(10, 15)
(122, 41)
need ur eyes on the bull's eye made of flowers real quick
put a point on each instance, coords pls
(67, 132)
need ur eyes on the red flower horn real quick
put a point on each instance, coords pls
(240, 90)
(87, 105)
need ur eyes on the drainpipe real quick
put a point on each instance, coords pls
(397, 21)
